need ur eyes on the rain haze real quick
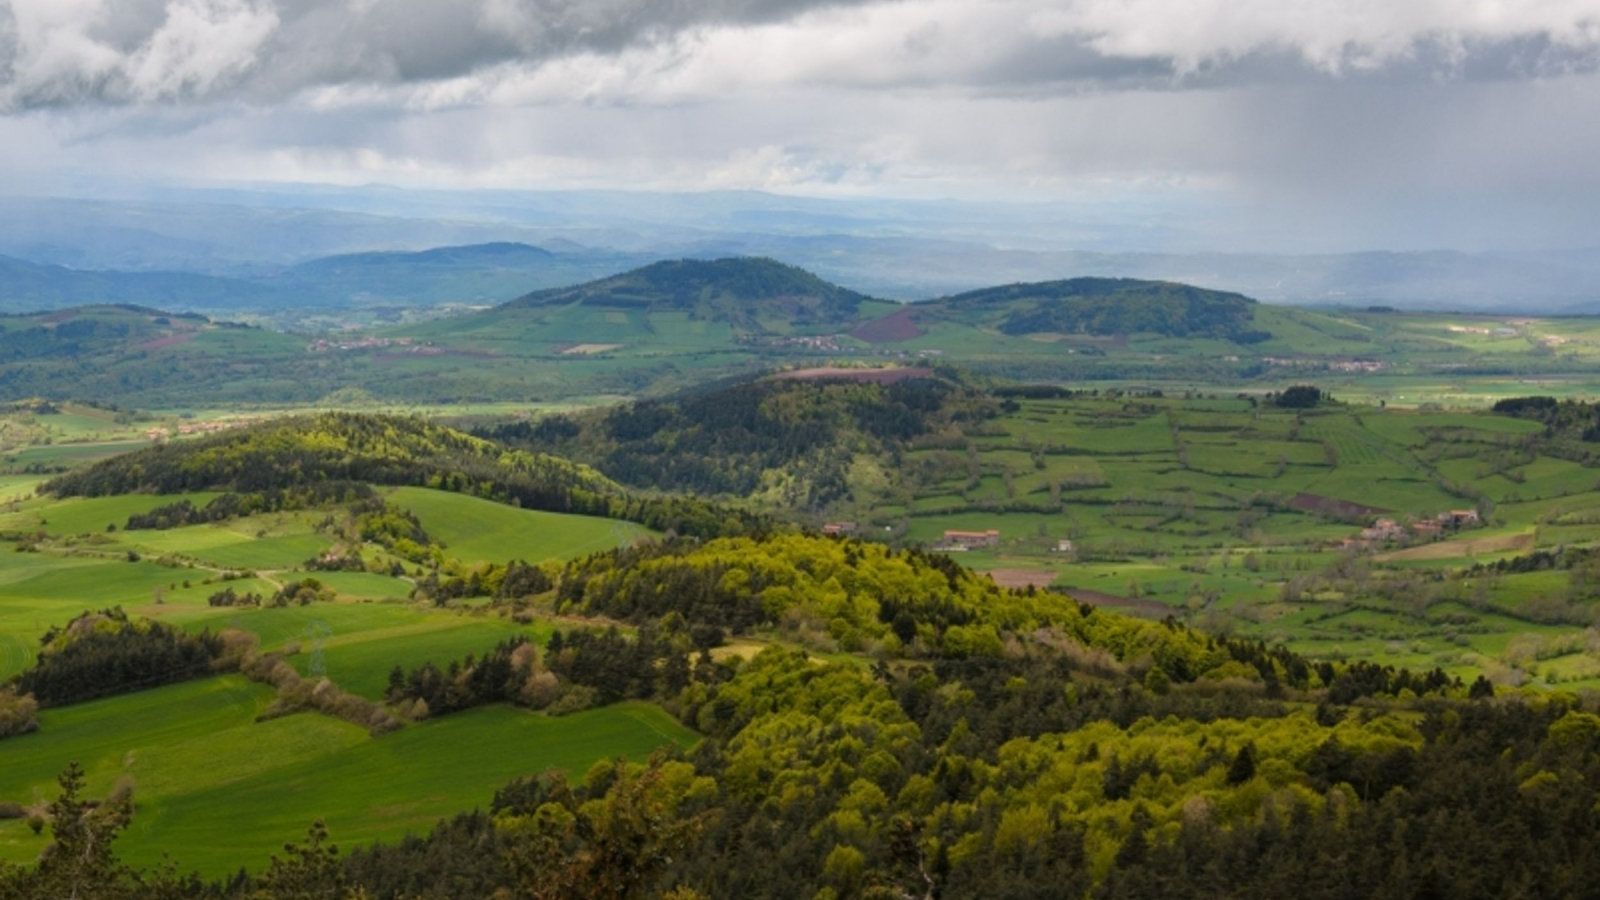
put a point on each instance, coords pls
(1080, 134)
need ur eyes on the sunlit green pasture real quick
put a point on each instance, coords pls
(478, 531)
(219, 789)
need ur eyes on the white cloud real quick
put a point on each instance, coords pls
(202, 43)
(60, 56)
(435, 53)
(54, 55)
(1300, 103)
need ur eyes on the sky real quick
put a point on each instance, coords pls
(1301, 125)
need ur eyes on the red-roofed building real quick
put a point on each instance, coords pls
(970, 539)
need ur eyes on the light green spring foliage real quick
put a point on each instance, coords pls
(383, 449)
(1067, 774)
(840, 588)
(810, 726)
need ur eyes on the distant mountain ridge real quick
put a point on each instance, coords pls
(902, 250)
(476, 274)
(30, 287)
(503, 252)
(900, 268)
(669, 326)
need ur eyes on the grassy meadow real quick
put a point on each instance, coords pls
(194, 752)
(479, 531)
(229, 790)
(1237, 517)
(1206, 504)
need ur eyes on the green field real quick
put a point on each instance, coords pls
(1196, 506)
(604, 342)
(480, 531)
(38, 590)
(360, 662)
(229, 791)
(194, 754)
(87, 515)
(1167, 484)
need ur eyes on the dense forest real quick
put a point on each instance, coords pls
(1033, 775)
(792, 442)
(234, 505)
(1000, 744)
(834, 595)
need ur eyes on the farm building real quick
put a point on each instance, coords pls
(839, 528)
(1383, 530)
(969, 539)
(1456, 518)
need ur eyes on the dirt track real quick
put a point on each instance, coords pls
(1022, 578)
(1499, 543)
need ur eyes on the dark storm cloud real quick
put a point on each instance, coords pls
(65, 52)
(1480, 111)
(62, 52)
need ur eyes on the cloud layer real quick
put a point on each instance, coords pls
(56, 52)
(1450, 121)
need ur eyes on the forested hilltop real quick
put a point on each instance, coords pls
(1430, 538)
(743, 291)
(786, 443)
(999, 744)
(673, 325)
(385, 450)
(1110, 306)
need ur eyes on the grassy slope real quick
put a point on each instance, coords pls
(477, 531)
(88, 515)
(360, 662)
(228, 790)
(38, 590)
(1179, 535)
(134, 359)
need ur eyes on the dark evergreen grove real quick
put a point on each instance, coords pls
(101, 654)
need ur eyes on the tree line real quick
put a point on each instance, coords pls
(99, 654)
(338, 448)
(738, 439)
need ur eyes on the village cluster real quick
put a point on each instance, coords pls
(1380, 533)
(1388, 531)
(162, 432)
(324, 345)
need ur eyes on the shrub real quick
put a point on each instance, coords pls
(576, 698)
